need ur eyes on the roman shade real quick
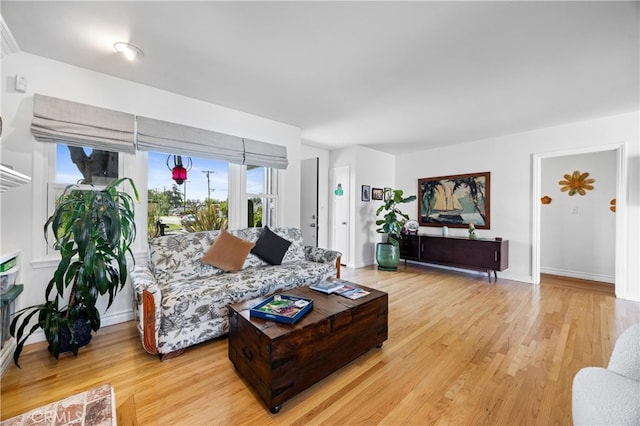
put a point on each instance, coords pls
(72, 123)
(264, 154)
(164, 136)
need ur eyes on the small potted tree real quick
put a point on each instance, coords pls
(388, 253)
(93, 230)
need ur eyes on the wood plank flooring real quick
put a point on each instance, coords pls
(460, 351)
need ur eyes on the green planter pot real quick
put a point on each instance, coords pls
(387, 256)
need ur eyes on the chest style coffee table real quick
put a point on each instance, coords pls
(280, 360)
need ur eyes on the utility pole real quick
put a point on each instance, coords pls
(184, 208)
(208, 173)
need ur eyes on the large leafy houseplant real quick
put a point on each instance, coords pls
(393, 218)
(93, 230)
(388, 254)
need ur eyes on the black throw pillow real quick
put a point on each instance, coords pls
(271, 247)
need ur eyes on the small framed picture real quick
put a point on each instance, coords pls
(376, 194)
(388, 193)
(366, 193)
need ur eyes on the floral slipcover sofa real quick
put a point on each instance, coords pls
(180, 301)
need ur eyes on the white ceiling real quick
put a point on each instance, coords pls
(394, 76)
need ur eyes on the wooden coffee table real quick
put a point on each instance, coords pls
(281, 360)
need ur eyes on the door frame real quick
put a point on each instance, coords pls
(346, 257)
(304, 190)
(620, 279)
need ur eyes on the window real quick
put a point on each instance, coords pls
(200, 203)
(81, 166)
(85, 165)
(262, 196)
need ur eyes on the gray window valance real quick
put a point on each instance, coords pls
(173, 138)
(163, 136)
(264, 154)
(61, 121)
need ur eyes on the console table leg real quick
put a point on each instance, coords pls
(495, 276)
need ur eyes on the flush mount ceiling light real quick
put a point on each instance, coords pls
(129, 51)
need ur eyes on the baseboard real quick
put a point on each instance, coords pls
(105, 321)
(361, 263)
(579, 275)
(6, 355)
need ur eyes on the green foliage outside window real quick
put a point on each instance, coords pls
(207, 217)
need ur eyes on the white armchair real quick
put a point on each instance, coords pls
(611, 396)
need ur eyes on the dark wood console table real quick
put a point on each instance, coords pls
(481, 254)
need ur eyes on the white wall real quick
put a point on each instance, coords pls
(509, 159)
(376, 169)
(577, 233)
(307, 152)
(57, 79)
(373, 168)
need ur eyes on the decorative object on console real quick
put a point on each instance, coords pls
(472, 232)
(576, 183)
(93, 230)
(411, 227)
(178, 171)
(388, 254)
(338, 192)
(455, 200)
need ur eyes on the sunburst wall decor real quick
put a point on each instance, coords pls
(576, 183)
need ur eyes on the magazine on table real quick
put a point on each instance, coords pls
(327, 286)
(351, 291)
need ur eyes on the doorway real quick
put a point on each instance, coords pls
(620, 231)
(340, 212)
(309, 201)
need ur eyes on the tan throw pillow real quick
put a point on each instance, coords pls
(227, 252)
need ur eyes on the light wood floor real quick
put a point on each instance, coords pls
(460, 351)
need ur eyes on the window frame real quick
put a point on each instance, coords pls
(272, 175)
(135, 166)
(45, 191)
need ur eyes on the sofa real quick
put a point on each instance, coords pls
(180, 301)
(610, 396)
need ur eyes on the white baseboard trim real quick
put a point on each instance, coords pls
(579, 275)
(6, 355)
(105, 321)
